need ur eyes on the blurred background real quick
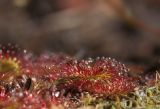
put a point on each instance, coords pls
(127, 30)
